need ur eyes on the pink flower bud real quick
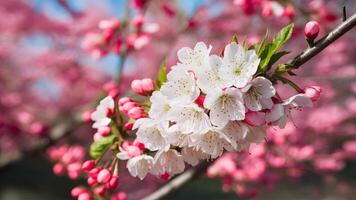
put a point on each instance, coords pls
(86, 116)
(97, 136)
(128, 106)
(84, 196)
(311, 29)
(128, 126)
(88, 165)
(289, 12)
(135, 113)
(113, 183)
(136, 86)
(124, 100)
(100, 190)
(138, 21)
(147, 85)
(119, 196)
(104, 176)
(104, 131)
(58, 169)
(94, 172)
(111, 85)
(313, 92)
(91, 181)
(114, 93)
(75, 192)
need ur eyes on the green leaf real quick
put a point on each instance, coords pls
(98, 148)
(275, 57)
(162, 75)
(271, 48)
(283, 36)
(234, 39)
(262, 44)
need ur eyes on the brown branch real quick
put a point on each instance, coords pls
(320, 45)
(178, 182)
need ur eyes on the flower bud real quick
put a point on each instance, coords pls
(104, 176)
(91, 181)
(113, 183)
(313, 92)
(58, 169)
(111, 85)
(311, 29)
(84, 196)
(94, 172)
(104, 131)
(124, 100)
(100, 190)
(128, 126)
(114, 93)
(136, 113)
(136, 86)
(128, 106)
(97, 136)
(75, 192)
(147, 85)
(88, 165)
(86, 116)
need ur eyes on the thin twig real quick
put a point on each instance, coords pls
(178, 182)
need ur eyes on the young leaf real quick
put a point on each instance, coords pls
(234, 39)
(262, 44)
(99, 147)
(271, 48)
(275, 57)
(282, 37)
(162, 75)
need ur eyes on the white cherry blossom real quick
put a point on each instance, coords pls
(190, 118)
(192, 156)
(258, 93)
(139, 166)
(280, 112)
(160, 106)
(225, 105)
(239, 65)
(181, 86)
(237, 133)
(99, 116)
(168, 161)
(212, 142)
(151, 133)
(209, 79)
(194, 58)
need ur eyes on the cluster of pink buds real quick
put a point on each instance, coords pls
(99, 179)
(143, 87)
(117, 38)
(131, 109)
(108, 39)
(67, 159)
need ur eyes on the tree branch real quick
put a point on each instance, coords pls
(320, 45)
(178, 182)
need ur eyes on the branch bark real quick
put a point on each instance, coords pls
(178, 182)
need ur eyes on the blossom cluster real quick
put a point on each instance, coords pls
(208, 104)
